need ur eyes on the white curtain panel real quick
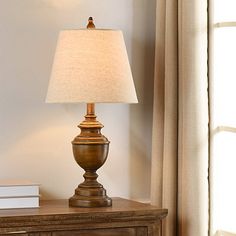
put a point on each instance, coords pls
(180, 120)
(165, 116)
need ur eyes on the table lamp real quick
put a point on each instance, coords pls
(91, 66)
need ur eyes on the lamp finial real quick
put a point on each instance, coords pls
(90, 24)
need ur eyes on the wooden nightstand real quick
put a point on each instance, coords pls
(56, 218)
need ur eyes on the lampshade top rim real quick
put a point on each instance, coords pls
(95, 29)
(83, 102)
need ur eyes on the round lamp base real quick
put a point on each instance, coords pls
(99, 200)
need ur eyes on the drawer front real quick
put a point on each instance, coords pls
(140, 231)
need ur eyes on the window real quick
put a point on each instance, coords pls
(223, 115)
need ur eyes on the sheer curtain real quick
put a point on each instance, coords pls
(180, 120)
(223, 112)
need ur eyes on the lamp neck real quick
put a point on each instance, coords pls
(90, 122)
(90, 116)
(90, 109)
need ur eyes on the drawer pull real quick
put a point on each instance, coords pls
(17, 232)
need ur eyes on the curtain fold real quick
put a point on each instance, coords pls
(179, 178)
(165, 123)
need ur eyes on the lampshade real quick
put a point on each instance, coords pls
(91, 66)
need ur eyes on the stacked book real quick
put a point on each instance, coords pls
(18, 194)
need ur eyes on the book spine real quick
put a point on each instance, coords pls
(11, 191)
(19, 202)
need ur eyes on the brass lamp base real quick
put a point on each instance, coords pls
(90, 197)
(74, 202)
(90, 150)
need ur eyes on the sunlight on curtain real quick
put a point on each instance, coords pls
(224, 117)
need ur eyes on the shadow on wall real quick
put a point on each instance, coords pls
(142, 63)
(51, 138)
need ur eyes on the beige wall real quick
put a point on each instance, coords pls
(35, 137)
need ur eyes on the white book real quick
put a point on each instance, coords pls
(19, 202)
(17, 188)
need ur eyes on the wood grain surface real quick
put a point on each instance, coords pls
(56, 218)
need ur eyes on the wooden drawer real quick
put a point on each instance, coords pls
(136, 231)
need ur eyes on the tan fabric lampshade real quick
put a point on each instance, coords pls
(91, 66)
